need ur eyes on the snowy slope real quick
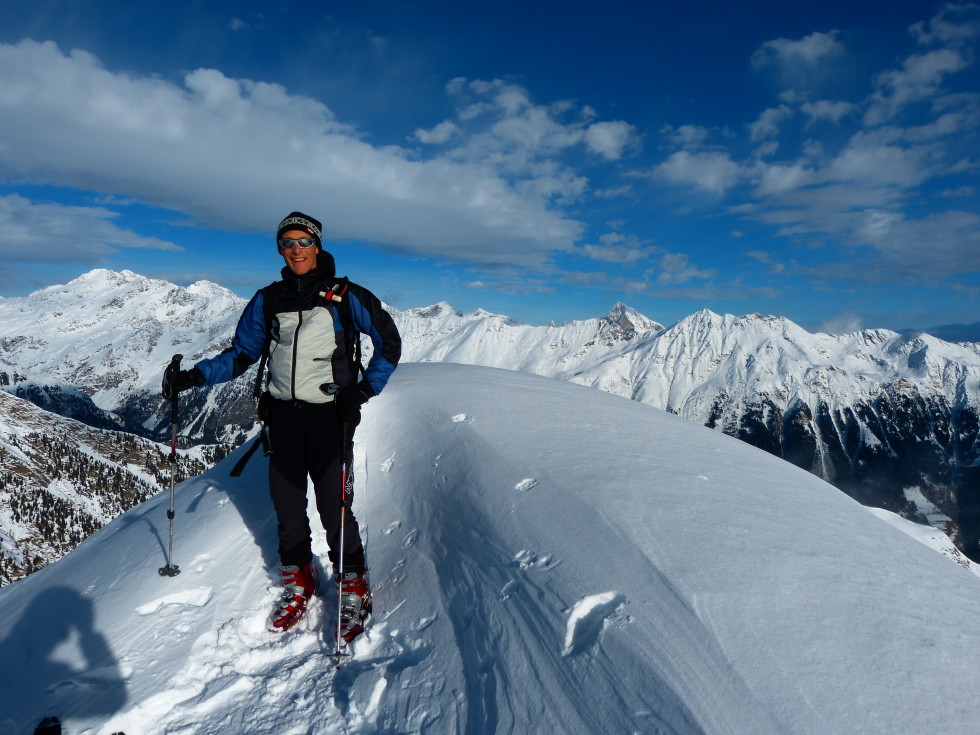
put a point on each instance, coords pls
(547, 559)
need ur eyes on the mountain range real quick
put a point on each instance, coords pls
(892, 419)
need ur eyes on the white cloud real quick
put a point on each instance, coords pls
(686, 136)
(875, 160)
(962, 191)
(619, 248)
(875, 225)
(439, 134)
(504, 125)
(236, 153)
(832, 110)
(535, 129)
(613, 192)
(953, 25)
(766, 126)
(918, 79)
(711, 171)
(779, 178)
(610, 139)
(936, 245)
(765, 258)
(55, 233)
(855, 185)
(676, 268)
(808, 51)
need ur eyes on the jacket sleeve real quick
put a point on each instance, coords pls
(246, 348)
(370, 318)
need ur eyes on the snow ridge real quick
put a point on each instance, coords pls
(669, 579)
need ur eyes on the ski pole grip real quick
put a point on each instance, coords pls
(174, 369)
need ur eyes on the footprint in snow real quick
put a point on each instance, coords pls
(462, 418)
(587, 620)
(200, 563)
(382, 654)
(526, 559)
(524, 485)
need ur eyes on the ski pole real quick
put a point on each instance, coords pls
(340, 553)
(172, 570)
(332, 389)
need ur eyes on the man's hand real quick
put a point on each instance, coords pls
(175, 381)
(349, 401)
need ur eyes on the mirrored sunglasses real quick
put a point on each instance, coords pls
(304, 242)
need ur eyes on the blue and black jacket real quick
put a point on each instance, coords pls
(309, 338)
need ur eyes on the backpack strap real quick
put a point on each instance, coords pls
(268, 313)
(336, 295)
(262, 440)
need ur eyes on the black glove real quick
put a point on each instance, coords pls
(349, 400)
(175, 381)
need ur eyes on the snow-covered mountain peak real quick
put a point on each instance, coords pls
(875, 336)
(443, 309)
(103, 279)
(627, 323)
(208, 289)
(109, 333)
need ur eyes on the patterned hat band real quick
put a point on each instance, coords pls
(300, 221)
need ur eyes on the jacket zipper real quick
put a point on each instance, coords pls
(299, 323)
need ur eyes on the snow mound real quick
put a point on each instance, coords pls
(660, 577)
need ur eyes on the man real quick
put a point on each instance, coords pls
(307, 327)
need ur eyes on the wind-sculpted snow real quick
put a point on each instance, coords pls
(545, 558)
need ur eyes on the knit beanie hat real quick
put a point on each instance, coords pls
(300, 221)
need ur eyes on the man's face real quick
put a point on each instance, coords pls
(299, 260)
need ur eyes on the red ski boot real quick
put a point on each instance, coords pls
(355, 606)
(300, 585)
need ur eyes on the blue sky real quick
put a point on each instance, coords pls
(817, 161)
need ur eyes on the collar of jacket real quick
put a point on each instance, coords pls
(324, 271)
(303, 292)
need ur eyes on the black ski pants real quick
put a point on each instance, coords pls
(307, 441)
